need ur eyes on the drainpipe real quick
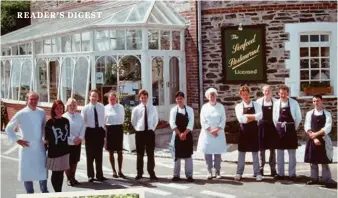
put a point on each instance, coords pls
(199, 41)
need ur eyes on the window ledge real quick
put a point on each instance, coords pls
(309, 97)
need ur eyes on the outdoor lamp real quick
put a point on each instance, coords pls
(240, 28)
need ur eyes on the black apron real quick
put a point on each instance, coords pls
(183, 149)
(316, 154)
(248, 136)
(288, 136)
(268, 135)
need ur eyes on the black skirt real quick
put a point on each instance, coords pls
(114, 138)
(74, 153)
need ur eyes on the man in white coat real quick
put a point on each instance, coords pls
(31, 123)
(286, 117)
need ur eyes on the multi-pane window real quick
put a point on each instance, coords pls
(315, 64)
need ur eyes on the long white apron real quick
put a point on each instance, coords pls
(207, 143)
(33, 158)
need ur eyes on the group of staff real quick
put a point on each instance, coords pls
(265, 124)
(61, 136)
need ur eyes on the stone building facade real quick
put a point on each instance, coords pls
(275, 15)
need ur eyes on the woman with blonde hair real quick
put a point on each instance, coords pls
(77, 132)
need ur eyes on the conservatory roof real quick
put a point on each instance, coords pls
(150, 13)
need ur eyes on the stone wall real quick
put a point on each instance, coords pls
(274, 15)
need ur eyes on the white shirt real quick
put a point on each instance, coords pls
(294, 108)
(328, 124)
(173, 112)
(77, 128)
(137, 117)
(114, 114)
(266, 104)
(239, 111)
(88, 115)
(31, 125)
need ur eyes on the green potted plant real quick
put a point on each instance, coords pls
(313, 88)
(129, 131)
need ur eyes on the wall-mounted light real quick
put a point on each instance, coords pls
(240, 28)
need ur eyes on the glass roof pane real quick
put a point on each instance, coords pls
(159, 16)
(139, 13)
(121, 16)
(152, 19)
(113, 12)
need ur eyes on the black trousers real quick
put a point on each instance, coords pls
(94, 142)
(57, 180)
(145, 140)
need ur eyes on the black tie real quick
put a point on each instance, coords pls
(96, 118)
(145, 118)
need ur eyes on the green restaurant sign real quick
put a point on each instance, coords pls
(243, 53)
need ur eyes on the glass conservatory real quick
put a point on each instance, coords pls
(133, 45)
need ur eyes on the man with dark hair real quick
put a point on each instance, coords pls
(181, 120)
(286, 117)
(144, 119)
(31, 123)
(93, 115)
(319, 150)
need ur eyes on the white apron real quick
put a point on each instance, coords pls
(33, 158)
(213, 117)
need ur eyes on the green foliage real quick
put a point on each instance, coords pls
(9, 20)
(127, 126)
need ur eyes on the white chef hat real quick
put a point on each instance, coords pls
(209, 91)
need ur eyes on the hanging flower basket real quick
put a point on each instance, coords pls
(317, 90)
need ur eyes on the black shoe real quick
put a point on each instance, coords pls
(312, 182)
(91, 180)
(175, 179)
(190, 179)
(115, 175)
(121, 175)
(293, 178)
(101, 179)
(330, 185)
(138, 177)
(262, 172)
(153, 177)
(273, 173)
(76, 182)
(278, 177)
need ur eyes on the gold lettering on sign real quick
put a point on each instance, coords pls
(234, 37)
(241, 47)
(237, 62)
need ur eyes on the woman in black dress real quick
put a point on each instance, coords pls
(56, 138)
(114, 118)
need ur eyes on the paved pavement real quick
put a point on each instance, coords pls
(225, 187)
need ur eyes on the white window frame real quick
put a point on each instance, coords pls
(293, 46)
